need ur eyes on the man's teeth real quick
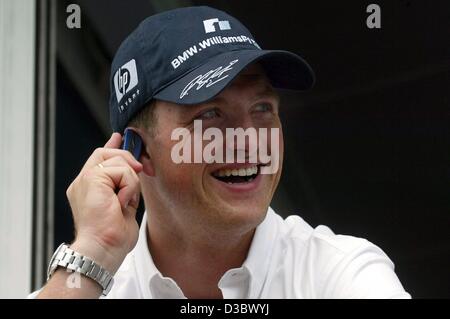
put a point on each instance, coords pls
(237, 172)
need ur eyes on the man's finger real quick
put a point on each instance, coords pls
(116, 161)
(125, 180)
(114, 141)
(102, 154)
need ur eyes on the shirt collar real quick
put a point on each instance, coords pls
(258, 258)
(254, 269)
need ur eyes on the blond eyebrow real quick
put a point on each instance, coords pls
(189, 109)
(266, 92)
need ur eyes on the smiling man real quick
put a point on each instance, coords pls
(208, 230)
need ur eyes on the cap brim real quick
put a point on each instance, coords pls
(284, 69)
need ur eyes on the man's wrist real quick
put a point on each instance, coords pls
(94, 251)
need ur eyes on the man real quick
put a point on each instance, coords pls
(208, 231)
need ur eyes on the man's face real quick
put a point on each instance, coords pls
(202, 193)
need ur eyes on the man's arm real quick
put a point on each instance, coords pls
(104, 199)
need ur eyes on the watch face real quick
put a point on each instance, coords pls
(52, 265)
(51, 269)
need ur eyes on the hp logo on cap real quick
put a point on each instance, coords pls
(209, 25)
(125, 79)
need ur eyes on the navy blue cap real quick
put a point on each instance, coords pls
(188, 56)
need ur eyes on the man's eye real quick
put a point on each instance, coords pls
(264, 107)
(208, 115)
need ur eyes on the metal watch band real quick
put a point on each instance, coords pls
(70, 259)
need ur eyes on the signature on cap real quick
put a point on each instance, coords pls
(209, 78)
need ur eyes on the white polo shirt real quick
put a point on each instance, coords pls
(287, 259)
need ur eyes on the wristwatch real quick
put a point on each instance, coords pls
(73, 261)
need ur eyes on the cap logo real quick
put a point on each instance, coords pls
(209, 25)
(125, 79)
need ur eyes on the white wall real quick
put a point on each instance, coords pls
(17, 53)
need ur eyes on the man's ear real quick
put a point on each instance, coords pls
(145, 157)
(146, 161)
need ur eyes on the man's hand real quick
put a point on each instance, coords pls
(104, 199)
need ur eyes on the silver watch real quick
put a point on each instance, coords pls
(71, 260)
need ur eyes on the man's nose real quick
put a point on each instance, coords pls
(244, 138)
